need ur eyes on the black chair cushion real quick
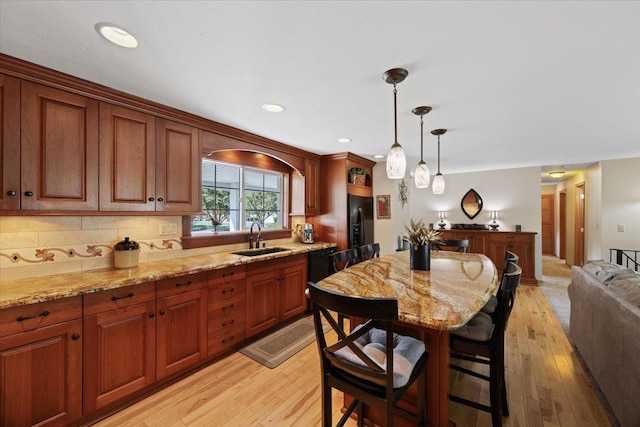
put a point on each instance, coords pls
(406, 354)
(490, 306)
(479, 328)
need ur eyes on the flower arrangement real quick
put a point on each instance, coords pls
(418, 234)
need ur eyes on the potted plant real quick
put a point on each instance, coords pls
(357, 176)
(420, 238)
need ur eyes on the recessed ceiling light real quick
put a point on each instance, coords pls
(378, 156)
(273, 108)
(556, 174)
(344, 139)
(116, 35)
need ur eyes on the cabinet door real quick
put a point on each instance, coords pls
(311, 186)
(59, 150)
(41, 376)
(119, 354)
(9, 143)
(521, 245)
(293, 282)
(178, 184)
(182, 332)
(127, 159)
(262, 301)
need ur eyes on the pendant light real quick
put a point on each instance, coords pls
(438, 180)
(422, 174)
(396, 160)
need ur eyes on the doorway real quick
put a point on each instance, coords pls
(548, 225)
(578, 258)
(562, 226)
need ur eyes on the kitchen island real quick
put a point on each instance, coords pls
(430, 304)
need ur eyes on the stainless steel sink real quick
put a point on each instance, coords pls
(261, 251)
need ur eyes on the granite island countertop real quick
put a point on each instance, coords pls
(444, 298)
(46, 288)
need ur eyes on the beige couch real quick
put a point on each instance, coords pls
(605, 328)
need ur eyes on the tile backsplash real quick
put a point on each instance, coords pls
(32, 246)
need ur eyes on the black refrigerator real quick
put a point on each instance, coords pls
(360, 211)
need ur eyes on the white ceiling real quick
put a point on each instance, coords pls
(516, 83)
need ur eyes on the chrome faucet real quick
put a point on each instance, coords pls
(259, 239)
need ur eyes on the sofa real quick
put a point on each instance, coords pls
(605, 329)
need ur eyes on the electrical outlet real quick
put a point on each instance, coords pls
(621, 228)
(168, 229)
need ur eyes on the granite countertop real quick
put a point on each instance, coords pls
(446, 297)
(47, 288)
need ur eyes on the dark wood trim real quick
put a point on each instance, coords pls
(228, 238)
(251, 159)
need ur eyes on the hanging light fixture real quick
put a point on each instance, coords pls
(396, 160)
(422, 174)
(438, 180)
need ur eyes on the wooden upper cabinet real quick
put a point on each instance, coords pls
(9, 143)
(127, 159)
(59, 150)
(312, 187)
(178, 184)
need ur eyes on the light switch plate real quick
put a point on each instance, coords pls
(621, 228)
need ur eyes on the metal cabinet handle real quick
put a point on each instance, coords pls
(226, 340)
(227, 307)
(22, 318)
(230, 322)
(75, 337)
(161, 312)
(152, 315)
(183, 284)
(11, 193)
(160, 199)
(151, 199)
(129, 295)
(28, 193)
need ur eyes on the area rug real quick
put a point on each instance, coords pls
(277, 347)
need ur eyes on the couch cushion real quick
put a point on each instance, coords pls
(594, 267)
(627, 286)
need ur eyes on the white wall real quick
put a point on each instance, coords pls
(515, 193)
(620, 205)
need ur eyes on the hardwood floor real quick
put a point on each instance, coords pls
(546, 385)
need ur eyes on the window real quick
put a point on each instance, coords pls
(234, 197)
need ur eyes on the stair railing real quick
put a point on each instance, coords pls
(625, 257)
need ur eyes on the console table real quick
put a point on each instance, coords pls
(494, 243)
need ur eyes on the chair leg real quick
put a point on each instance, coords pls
(360, 414)
(326, 406)
(505, 403)
(495, 389)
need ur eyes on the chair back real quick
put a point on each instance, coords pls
(457, 245)
(343, 259)
(327, 305)
(366, 252)
(507, 296)
(509, 257)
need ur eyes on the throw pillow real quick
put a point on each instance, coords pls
(605, 276)
(627, 287)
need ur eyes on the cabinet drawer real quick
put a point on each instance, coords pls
(228, 310)
(226, 275)
(112, 299)
(29, 317)
(181, 284)
(219, 343)
(512, 237)
(223, 294)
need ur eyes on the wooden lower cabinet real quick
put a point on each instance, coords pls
(41, 366)
(275, 292)
(494, 244)
(119, 345)
(226, 309)
(181, 323)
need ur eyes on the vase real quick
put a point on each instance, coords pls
(420, 257)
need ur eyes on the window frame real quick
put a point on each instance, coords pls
(252, 160)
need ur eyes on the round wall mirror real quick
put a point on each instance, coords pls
(471, 204)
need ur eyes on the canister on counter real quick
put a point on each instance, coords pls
(125, 253)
